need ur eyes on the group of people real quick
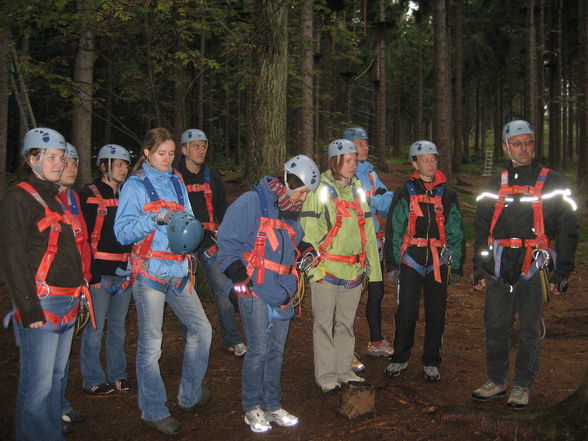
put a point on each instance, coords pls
(85, 255)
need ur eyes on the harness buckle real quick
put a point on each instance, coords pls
(541, 257)
(515, 242)
(445, 255)
(256, 261)
(43, 290)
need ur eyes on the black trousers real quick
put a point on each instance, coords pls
(373, 309)
(410, 289)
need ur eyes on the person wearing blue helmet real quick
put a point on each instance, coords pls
(41, 266)
(209, 202)
(148, 201)
(524, 251)
(259, 241)
(379, 199)
(337, 221)
(109, 287)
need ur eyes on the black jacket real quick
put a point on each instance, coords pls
(516, 221)
(22, 247)
(198, 201)
(107, 242)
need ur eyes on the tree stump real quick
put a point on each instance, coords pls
(359, 400)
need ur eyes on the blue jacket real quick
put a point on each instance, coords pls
(380, 204)
(132, 224)
(237, 234)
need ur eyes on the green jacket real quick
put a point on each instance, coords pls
(319, 214)
(425, 227)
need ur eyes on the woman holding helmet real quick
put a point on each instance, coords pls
(259, 240)
(148, 202)
(110, 290)
(337, 222)
(45, 283)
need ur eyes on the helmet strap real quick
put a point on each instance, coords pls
(38, 168)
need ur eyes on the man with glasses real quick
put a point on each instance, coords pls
(209, 203)
(524, 250)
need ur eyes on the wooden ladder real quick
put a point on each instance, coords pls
(488, 162)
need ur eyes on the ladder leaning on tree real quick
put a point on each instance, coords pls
(488, 162)
(20, 92)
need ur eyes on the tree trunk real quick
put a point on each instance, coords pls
(555, 150)
(539, 125)
(200, 103)
(442, 100)
(306, 111)
(83, 80)
(4, 94)
(380, 144)
(325, 85)
(181, 85)
(109, 88)
(531, 96)
(478, 119)
(458, 128)
(421, 92)
(267, 114)
(583, 95)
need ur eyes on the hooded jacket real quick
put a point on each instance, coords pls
(238, 232)
(371, 184)
(132, 224)
(317, 217)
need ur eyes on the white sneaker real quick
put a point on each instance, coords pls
(351, 376)
(239, 349)
(281, 417)
(257, 420)
(329, 386)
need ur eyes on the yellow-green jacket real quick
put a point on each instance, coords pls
(319, 215)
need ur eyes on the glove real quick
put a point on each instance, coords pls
(237, 272)
(163, 217)
(380, 191)
(454, 278)
(394, 276)
(560, 282)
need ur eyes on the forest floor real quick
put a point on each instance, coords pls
(407, 408)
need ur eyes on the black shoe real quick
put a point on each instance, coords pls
(101, 389)
(205, 398)
(73, 416)
(122, 385)
(66, 428)
(168, 425)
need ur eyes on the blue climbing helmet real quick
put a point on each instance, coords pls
(71, 151)
(305, 169)
(184, 233)
(421, 148)
(516, 127)
(340, 147)
(113, 151)
(193, 135)
(42, 138)
(355, 133)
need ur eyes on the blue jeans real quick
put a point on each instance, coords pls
(226, 310)
(43, 359)
(262, 367)
(114, 307)
(186, 305)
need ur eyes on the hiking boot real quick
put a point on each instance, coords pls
(205, 398)
(351, 376)
(489, 390)
(281, 417)
(73, 416)
(519, 398)
(100, 389)
(432, 373)
(393, 369)
(330, 386)
(168, 425)
(256, 418)
(239, 349)
(356, 364)
(379, 349)
(122, 385)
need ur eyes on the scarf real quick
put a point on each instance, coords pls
(283, 200)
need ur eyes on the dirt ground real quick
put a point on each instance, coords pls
(407, 408)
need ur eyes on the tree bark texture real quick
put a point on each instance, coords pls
(458, 114)
(555, 146)
(531, 96)
(380, 144)
(267, 114)
(4, 94)
(84, 83)
(306, 111)
(442, 118)
(583, 95)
